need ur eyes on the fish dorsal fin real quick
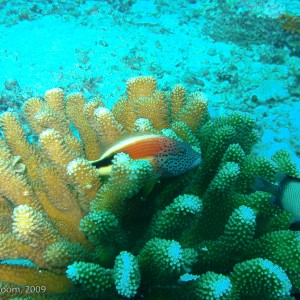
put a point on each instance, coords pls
(264, 185)
(280, 177)
(107, 153)
(137, 146)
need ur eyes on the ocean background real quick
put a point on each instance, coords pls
(243, 55)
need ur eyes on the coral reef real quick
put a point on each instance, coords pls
(254, 24)
(202, 235)
(290, 23)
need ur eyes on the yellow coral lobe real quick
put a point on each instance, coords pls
(124, 113)
(31, 108)
(11, 248)
(33, 228)
(15, 137)
(142, 86)
(74, 145)
(194, 111)
(54, 283)
(74, 109)
(66, 223)
(85, 179)
(54, 145)
(144, 125)
(108, 128)
(6, 209)
(64, 200)
(90, 107)
(177, 100)
(16, 187)
(155, 109)
(57, 190)
(4, 151)
(48, 118)
(289, 23)
(48, 188)
(54, 116)
(55, 99)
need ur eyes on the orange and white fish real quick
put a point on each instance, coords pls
(167, 156)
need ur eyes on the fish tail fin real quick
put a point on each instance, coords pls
(104, 171)
(261, 184)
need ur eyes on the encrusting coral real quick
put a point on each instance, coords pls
(68, 234)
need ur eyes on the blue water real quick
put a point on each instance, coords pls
(236, 52)
(243, 55)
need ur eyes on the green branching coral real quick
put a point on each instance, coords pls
(126, 274)
(220, 254)
(211, 286)
(260, 278)
(101, 226)
(96, 280)
(283, 159)
(63, 253)
(281, 247)
(176, 217)
(164, 261)
(226, 240)
(125, 181)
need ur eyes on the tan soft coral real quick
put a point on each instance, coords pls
(47, 186)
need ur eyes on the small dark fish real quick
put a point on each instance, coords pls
(286, 192)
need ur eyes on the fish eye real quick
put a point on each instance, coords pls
(181, 150)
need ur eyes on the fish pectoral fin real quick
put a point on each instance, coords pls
(149, 185)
